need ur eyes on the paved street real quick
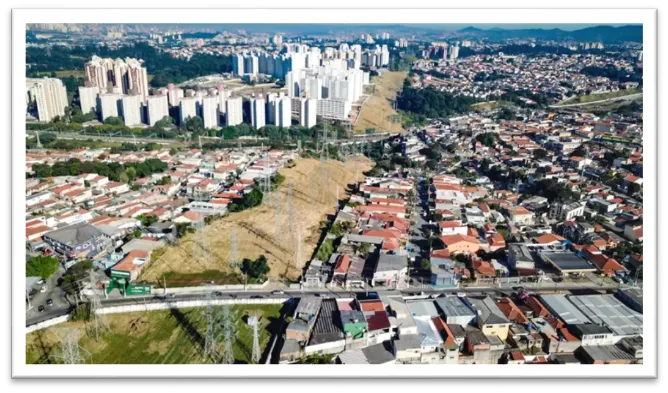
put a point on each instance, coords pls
(53, 292)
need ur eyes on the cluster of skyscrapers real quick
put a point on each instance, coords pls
(117, 76)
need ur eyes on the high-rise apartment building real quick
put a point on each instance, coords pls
(174, 94)
(128, 75)
(257, 111)
(108, 105)
(131, 109)
(234, 114)
(284, 112)
(187, 108)
(210, 111)
(49, 96)
(157, 107)
(88, 98)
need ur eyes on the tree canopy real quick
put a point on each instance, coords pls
(41, 266)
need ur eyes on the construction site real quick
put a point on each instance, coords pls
(285, 228)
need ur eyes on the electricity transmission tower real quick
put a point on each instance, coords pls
(254, 322)
(229, 332)
(98, 321)
(70, 351)
(212, 332)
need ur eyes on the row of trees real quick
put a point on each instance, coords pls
(432, 103)
(113, 170)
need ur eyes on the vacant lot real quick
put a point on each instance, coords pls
(157, 337)
(377, 110)
(263, 230)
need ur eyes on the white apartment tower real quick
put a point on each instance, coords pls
(157, 108)
(50, 96)
(107, 105)
(88, 98)
(210, 112)
(174, 94)
(307, 112)
(284, 113)
(257, 110)
(131, 108)
(187, 108)
(238, 65)
(234, 114)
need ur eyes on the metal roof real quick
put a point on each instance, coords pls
(73, 235)
(391, 262)
(328, 325)
(608, 311)
(353, 356)
(428, 333)
(490, 313)
(422, 308)
(567, 261)
(453, 306)
(561, 307)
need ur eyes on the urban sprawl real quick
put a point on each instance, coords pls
(503, 225)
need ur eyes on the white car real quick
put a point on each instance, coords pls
(277, 292)
(43, 289)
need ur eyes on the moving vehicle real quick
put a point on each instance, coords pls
(40, 282)
(40, 308)
(43, 289)
(49, 302)
(170, 295)
(277, 292)
(257, 297)
(216, 293)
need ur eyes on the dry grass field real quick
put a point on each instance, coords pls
(257, 230)
(377, 110)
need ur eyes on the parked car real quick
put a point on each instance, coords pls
(43, 289)
(40, 308)
(40, 282)
(49, 302)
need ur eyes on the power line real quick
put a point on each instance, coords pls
(98, 321)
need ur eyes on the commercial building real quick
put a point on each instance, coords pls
(49, 97)
(233, 111)
(77, 241)
(88, 98)
(131, 109)
(157, 108)
(566, 262)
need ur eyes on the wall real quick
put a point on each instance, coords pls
(326, 348)
(185, 304)
(46, 324)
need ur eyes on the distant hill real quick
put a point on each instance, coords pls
(605, 34)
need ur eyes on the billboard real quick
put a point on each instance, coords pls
(138, 290)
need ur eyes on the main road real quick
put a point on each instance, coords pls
(321, 292)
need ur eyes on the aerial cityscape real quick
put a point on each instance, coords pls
(334, 194)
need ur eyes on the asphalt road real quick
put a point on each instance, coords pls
(324, 292)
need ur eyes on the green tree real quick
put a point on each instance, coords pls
(114, 121)
(41, 266)
(255, 269)
(325, 250)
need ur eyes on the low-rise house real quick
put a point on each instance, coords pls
(490, 319)
(390, 271)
